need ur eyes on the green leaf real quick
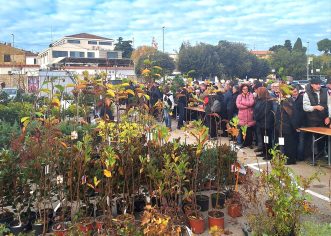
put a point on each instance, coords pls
(39, 114)
(23, 119)
(59, 87)
(45, 90)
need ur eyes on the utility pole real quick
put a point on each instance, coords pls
(163, 38)
(307, 60)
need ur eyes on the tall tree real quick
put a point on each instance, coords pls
(324, 46)
(298, 46)
(125, 47)
(142, 51)
(288, 45)
(276, 47)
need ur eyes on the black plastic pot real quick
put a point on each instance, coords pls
(139, 203)
(38, 228)
(203, 202)
(155, 201)
(221, 200)
(6, 217)
(15, 228)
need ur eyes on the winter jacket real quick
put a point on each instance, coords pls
(285, 119)
(245, 109)
(299, 114)
(263, 114)
(232, 109)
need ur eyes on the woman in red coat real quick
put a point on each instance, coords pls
(245, 104)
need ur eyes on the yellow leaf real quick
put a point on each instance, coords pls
(70, 85)
(96, 181)
(107, 173)
(125, 84)
(90, 185)
(111, 92)
(146, 96)
(56, 102)
(141, 170)
(24, 119)
(130, 91)
(64, 144)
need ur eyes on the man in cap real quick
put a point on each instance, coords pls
(315, 104)
(328, 86)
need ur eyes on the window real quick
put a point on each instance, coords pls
(6, 58)
(34, 61)
(73, 41)
(90, 54)
(112, 55)
(77, 54)
(105, 43)
(92, 42)
(56, 54)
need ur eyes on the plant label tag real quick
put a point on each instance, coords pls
(46, 169)
(108, 201)
(74, 135)
(266, 139)
(59, 179)
(57, 207)
(281, 141)
(84, 179)
(108, 140)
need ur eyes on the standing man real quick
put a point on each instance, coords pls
(328, 86)
(315, 105)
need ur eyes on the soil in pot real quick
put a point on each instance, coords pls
(188, 208)
(16, 228)
(6, 217)
(220, 198)
(197, 223)
(203, 201)
(60, 229)
(216, 218)
(86, 224)
(235, 210)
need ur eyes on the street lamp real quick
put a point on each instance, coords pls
(163, 38)
(307, 60)
(13, 39)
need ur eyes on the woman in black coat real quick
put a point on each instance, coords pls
(264, 119)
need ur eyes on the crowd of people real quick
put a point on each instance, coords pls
(272, 113)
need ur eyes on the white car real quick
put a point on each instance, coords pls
(12, 92)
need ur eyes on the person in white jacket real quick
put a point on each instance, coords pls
(168, 106)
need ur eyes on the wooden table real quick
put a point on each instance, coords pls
(199, 110)
(324, 132)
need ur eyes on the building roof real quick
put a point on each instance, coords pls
(87, 36)
(261, 52)
(29, 53)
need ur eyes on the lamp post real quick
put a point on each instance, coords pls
(307, 60)
(163, 38)
(13, 36)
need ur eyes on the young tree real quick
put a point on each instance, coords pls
(298, 46)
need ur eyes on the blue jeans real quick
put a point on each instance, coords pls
(167, 118)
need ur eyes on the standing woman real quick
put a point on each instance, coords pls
(245, 104)
(264, 119)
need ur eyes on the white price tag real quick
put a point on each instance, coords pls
(57, 207)
(266, 139)
(108, 201)
(46, 169)
(59, 179)
(74, 135)
(281, 141)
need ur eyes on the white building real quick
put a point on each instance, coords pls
(81, 45)
(86, 52)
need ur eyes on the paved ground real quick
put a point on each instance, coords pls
(320, 190)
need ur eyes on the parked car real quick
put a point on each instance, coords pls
(12, 92)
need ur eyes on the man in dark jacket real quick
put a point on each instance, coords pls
(226, 106)
(316, 110)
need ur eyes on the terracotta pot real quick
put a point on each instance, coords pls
(86, 224)
(235, 210)
(197, 223)
(216, 218)
(60, 229)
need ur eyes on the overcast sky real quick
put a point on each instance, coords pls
(259, 24)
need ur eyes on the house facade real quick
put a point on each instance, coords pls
(17, 66)
(261, 54)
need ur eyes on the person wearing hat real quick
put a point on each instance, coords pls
(315, 105)
(328, 86)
